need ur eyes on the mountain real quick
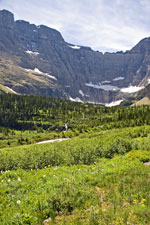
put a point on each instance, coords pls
(144, 93)
(36, 60)
(143, 96)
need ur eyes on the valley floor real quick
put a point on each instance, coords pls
(96, 178)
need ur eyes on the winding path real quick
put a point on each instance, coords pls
(53, 140)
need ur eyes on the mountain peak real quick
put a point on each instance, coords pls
(5, 12)
(143, 46)
(6, 19)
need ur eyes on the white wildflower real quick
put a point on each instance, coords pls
(18, 202)
(55, 168)
(19, 179)
(45, 222)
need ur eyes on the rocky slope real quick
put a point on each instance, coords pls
(36, 60)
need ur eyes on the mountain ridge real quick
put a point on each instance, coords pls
(36, 60)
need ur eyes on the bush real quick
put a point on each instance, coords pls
(118, 146)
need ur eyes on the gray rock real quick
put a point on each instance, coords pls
(73, 67)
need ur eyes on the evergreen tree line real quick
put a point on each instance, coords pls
(33, 112)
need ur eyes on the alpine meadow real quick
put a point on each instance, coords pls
(74, 122)
(98, 176)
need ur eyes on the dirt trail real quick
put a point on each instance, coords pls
(53, 140)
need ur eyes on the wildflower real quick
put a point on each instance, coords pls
(44, 175)
(135, 201)
(47, 221)
(143, 200)
(55, 168)
(2, 181)
(19, 179)
(9, 180)
(18, 202)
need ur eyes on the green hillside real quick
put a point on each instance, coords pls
(98, 176)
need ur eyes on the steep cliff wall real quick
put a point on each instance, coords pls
(37, 60)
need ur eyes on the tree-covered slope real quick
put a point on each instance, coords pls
(99, 177)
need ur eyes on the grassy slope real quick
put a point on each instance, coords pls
(19, 79)
(143, 101)
(111, 192)
(94, 190)
(85, 149)
(72, 183)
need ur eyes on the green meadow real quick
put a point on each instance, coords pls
(99, 176)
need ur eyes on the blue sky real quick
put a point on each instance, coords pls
(104, 25)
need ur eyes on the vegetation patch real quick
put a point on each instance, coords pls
(98, 176)
(112, 191)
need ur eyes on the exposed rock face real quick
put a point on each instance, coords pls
(6, 19)
(65, 70)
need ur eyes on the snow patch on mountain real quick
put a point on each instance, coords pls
(52, 77)
(115, 103)
(32, 53)
(106, 82)
(131, 89)
(77, 99)
(81, 93)
(106, 87)
(118, 78)
(74, 46)
(36, 70)
(28, 70)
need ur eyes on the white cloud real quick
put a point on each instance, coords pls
(101, 24)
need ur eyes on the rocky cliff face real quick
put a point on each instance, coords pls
(36, 60)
